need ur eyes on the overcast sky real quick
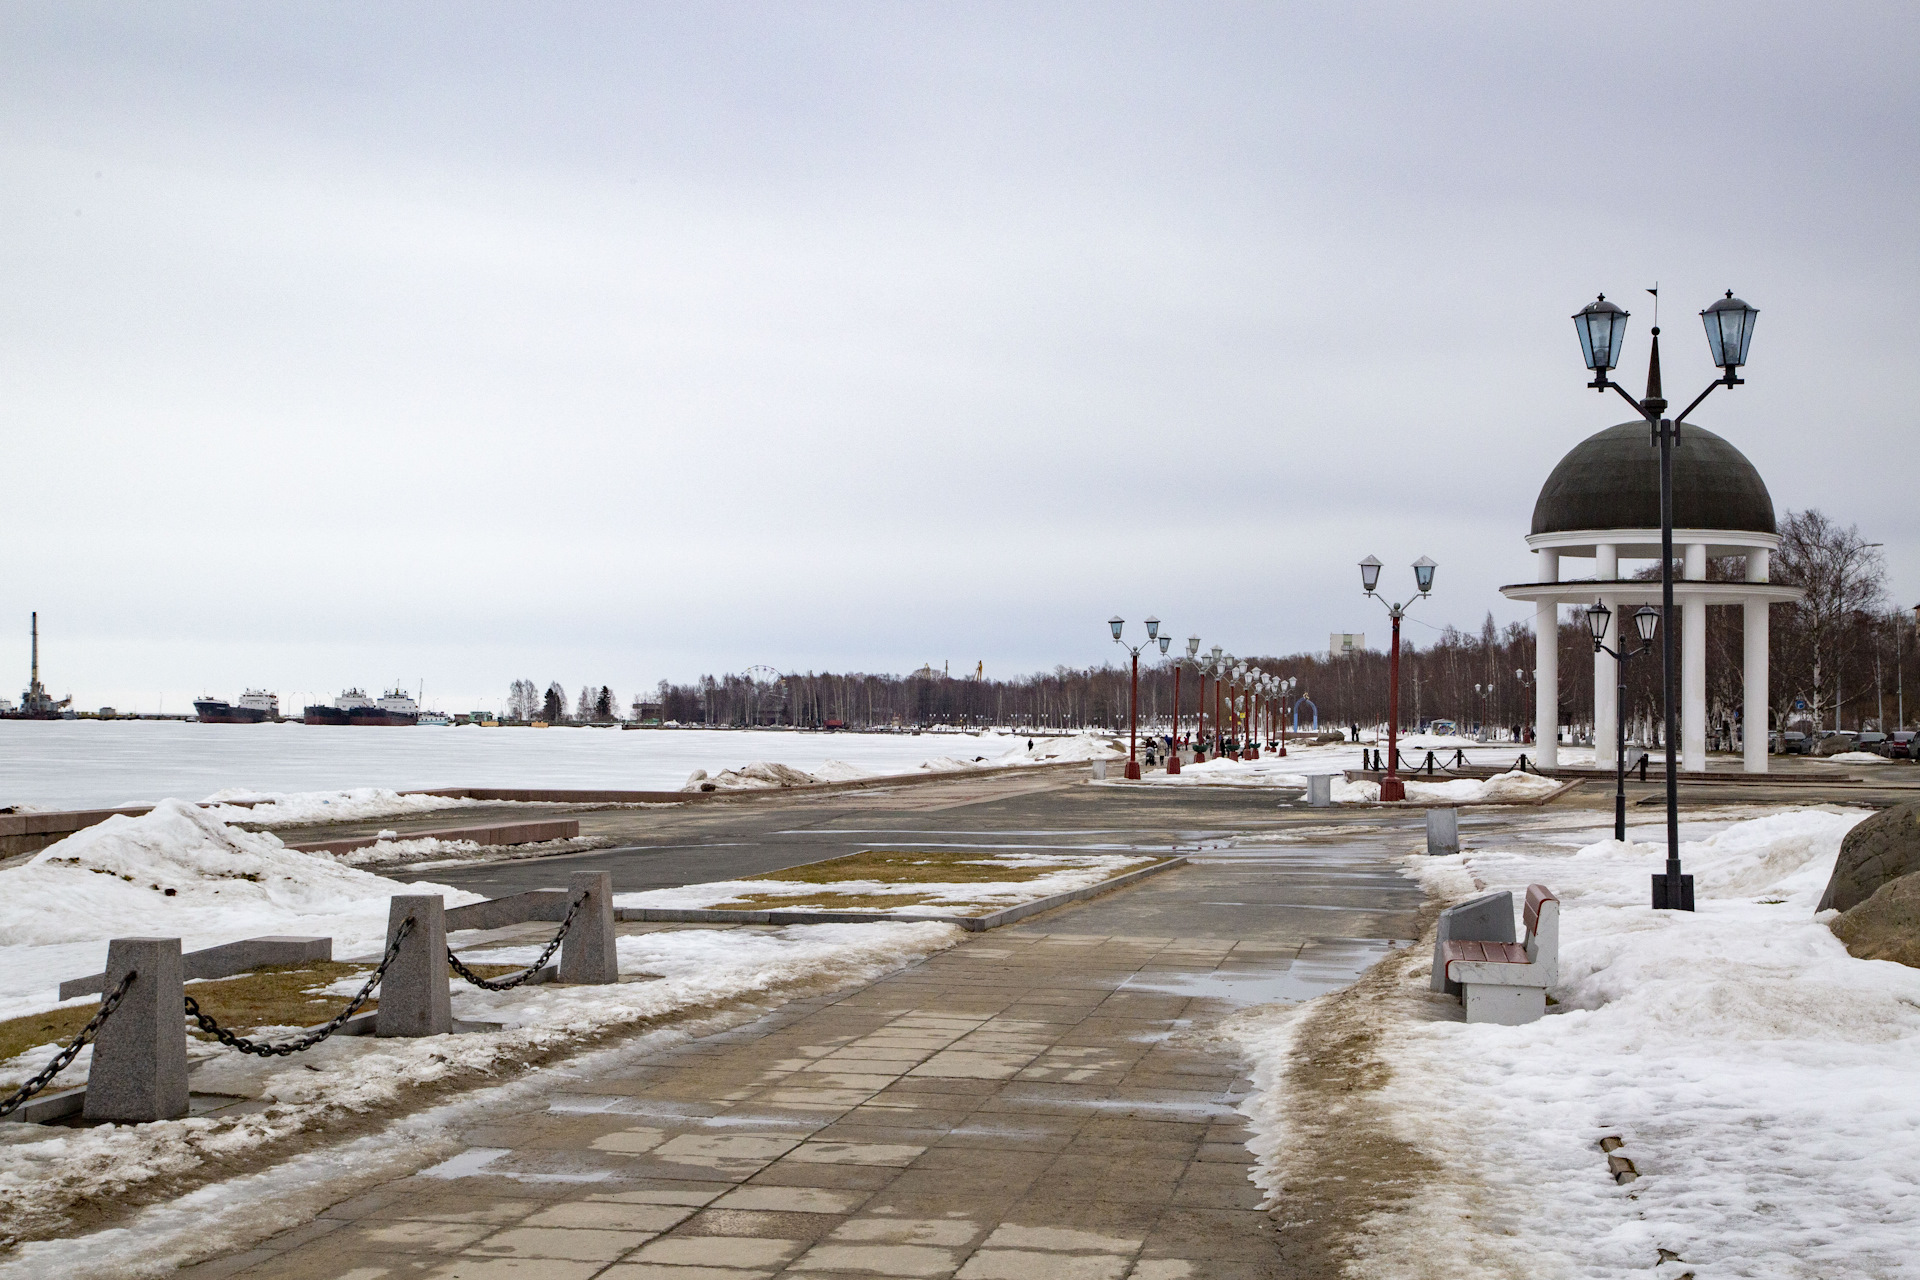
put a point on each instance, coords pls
(347, 344)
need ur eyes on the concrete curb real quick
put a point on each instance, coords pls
(973, 924)
(552, 796)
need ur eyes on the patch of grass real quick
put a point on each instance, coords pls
(276, 996)
(831, 901)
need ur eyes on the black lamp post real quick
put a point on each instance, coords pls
(1602, 327)
(1645, 620)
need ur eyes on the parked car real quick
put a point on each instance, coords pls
(1871, 741)
(1793, 743)
(1903, 744)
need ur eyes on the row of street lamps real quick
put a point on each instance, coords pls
(1602, 327)
(1259, 693)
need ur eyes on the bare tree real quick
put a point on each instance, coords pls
(523, 700)
(1845, 581)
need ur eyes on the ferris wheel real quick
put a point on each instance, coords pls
(760, 673)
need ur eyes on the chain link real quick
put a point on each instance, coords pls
(507, 984)
(288, 1047)
(72, 1051)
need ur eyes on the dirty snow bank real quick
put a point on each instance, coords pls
(178, 870)
(1076, 871)
(1511, 787)
(346, 1075)
(997, 751)
(1766, 1084)
(289, 808)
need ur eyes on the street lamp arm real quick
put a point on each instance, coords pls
(1728, 381)
(1601, 382)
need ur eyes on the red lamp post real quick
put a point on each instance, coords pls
(1173, 754)
(1286, 685)
(1251, 692)
(1133, 711)
(1219, 674)
(1391, 787)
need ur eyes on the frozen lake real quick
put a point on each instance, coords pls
(69, 764)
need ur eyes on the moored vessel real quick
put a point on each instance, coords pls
(255, 706)
(341, 711)
(395, 706)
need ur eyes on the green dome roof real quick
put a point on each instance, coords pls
(1611, 480)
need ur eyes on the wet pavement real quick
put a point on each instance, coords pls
(1040, 1100)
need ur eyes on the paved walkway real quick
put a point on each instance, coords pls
(1027, 1104)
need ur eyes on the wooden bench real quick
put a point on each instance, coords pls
(1506, 982)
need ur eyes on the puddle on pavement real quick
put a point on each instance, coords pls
(1319, 968)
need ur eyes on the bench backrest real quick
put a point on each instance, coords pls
(1542, 916)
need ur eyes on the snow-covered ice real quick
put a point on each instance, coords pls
(69, 764)
(1766, 1084)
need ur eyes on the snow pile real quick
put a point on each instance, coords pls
(1268, 771)
(1766, 1084)
(1081, 746)
(698, 968)
(282, 808)
(1859, 757)
(761, 775)
(388, 851)
(1072, 871)
(1512, 787)
(178, 870)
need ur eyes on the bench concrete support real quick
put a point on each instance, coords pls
(587, 953)
(1443, 832)
(1502, 1005)
(415, 996)
(1487, 918)
(1319, 790)
(139, 1070)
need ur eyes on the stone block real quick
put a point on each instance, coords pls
(1319, 790)
(587, 954)
(1488, 918)
(1885, 926)
(1443, 832)
(415, 996)
(139, 1070)
(1882, 849)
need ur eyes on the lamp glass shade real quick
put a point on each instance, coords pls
(1646, 621)
(1216, 655)
(1598, 616)
(1153, 627)
(1116, 622)
(1729, 329)
(1370, 573)
(1423, 574)
(1164, 642)
(1602, 327)
(1193, 646)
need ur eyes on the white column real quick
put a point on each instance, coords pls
(1606, 672)
(1546, 669)
(1754, 669)
(1693, 664)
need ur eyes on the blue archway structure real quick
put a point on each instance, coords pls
(1305, 701)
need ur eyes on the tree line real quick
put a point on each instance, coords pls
(1842, 654)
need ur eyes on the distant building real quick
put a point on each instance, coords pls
(647, 712)
(1342, 643)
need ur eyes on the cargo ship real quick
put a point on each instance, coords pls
(395, 706)
(255, 706)
(340, 712)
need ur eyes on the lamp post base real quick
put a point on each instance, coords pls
(1253, 753)
(1133, 771)
(1672, 893)
(1392, 789)
(1173, 763)
(1282, 751)
(1199, 757)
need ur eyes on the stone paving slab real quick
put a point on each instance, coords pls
(1014, 1107)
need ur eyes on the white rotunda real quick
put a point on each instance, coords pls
(1602, 503)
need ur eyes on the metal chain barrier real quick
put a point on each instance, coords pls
(509, 983)
(72, 1051)
(311, 1038)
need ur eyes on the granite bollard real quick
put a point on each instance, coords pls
(587, 953)
(1443, 832)
(1319, 790)
(415, 995)
(139, 1069)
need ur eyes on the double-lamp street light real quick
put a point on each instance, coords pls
(1646, 620)
(1602, 327)
(1391, 788)
(1133, 708)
